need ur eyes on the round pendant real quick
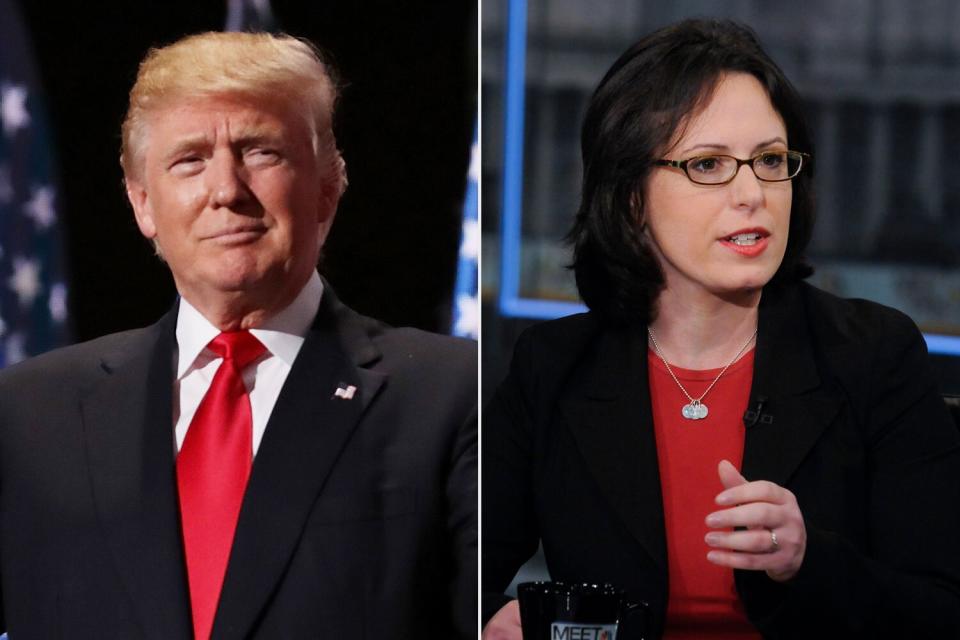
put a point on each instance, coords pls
(694, 411)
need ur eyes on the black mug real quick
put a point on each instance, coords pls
(559, 611)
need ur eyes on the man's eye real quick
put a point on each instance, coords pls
(261, 156)
(187, 164)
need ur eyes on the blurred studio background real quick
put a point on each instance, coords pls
(73, 265)
(881, 79)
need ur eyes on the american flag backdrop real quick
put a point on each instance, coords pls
(466, 311)
(33, 292)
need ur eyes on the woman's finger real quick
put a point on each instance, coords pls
(752, 541)
(757, 491)
(505, 624)
(748, 561)
(753, 514)
(729, 475)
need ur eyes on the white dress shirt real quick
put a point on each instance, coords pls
(282, 335)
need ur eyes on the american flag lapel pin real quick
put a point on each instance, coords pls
(345, 391)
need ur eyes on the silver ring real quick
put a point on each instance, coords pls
(774, 541)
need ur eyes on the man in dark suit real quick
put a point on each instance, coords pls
(262, 462)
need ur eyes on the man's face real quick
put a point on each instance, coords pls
(233, 194)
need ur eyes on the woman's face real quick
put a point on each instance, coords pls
(722, 239)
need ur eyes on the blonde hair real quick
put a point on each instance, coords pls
(261, 66)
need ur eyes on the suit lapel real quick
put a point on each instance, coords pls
(797, 407)
(307, 431)
(612, 425)
(127, 422)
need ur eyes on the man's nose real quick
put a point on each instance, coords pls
(226, 181)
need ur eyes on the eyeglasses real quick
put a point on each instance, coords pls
(769, 166)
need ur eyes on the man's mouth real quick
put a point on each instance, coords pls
(238, 234)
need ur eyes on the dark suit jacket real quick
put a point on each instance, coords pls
(852, 423)
(359, 520)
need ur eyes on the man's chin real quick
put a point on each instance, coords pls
(235, 272)
(225, 284)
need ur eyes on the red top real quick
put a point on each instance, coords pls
(702, 600)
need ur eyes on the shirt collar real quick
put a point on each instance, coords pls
(282, 333)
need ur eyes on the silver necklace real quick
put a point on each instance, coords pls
(695, 409)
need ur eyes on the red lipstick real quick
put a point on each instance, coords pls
(747, 242)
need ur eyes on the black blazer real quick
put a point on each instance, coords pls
(858, 432)
(359, 520)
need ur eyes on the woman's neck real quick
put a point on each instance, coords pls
(704, 332)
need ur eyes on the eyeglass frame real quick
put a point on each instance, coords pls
(682, 165)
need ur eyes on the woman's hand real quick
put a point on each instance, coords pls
(505, 624)
(775, 538)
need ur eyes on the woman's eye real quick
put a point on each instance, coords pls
(772, 160)
(704, 164)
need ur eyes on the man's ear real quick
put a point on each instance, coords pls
(334, 183)
(142, 209)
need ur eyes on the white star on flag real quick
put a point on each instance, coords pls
(40, 207)
(13, 108)
(474, 171)
(468, 317)
(470, 241)
(25, 281)
(58, 302)
(15, 349)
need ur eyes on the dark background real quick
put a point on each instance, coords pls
(404, 124)
(880, 82)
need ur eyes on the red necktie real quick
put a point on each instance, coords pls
(212, 471)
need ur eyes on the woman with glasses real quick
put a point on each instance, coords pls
(749, 455)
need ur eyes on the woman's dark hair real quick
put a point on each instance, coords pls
(640, 106)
